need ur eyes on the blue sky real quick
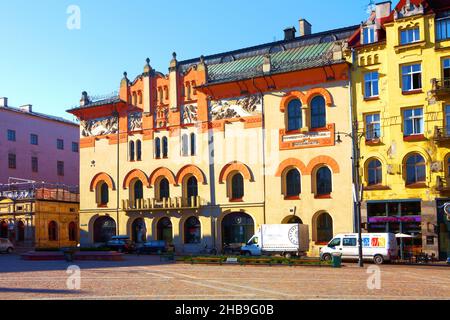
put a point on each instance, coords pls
(45, 64)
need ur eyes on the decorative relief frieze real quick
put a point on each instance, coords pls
(189, 113)
(99, 126)
(135, 121)
(236, 107)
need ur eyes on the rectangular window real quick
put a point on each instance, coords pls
(34, 139)
(12, 161)
(34, 164)
(409, 36)
(11, 135)
(373, 128)
(75, 147)
(447, 121)
(371, 84)
(60, 144)
(412, 77)
(368, 35)
(413, 121)
(443, 28)
(60, 168)
(446, 67)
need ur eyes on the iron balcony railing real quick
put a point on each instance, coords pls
(40, 191)
(439, 86)
(442, 184)
(442, 133)
(173, 203)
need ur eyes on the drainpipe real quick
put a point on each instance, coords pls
(116, 113)
(352, 114)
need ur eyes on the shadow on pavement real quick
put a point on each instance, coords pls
(47, 291)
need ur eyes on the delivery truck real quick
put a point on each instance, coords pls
(284, 239)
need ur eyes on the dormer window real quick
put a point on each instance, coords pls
(409, 36)
(369, 34)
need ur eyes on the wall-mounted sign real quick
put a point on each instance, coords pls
(17, 195)
(310, 139)
(395, 219)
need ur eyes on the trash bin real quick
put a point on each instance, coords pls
(337, 260)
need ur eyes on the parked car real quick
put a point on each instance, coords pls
(6, 246)
(121, 244)
(378, 247)
(151, 247)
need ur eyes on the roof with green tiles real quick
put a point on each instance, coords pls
(300, 53)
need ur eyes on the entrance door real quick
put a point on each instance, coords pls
(237, 229)
(3, 229)
(442, 229)
(165, 230)
(139, 231)
(104, 229)
(20, 231)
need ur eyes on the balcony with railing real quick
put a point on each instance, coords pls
(440, 87)
(442, 184)
(441, 134)
(174, 203)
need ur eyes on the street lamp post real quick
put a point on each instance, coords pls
(357, 185)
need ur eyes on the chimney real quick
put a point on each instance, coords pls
(383, 9)
(289, 33)
(26, 108)
(305, 27)
(3, 102)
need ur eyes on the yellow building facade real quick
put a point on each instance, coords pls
(204, 155)
(400, 72)
(42, 217)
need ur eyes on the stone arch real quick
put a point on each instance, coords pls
(190, 170)
(235, 166)
(291, 162)
(314, 224)
(319, 92)
(290, 96)
(162, 171)
(135, 174)
(102, 177)
(323, 160)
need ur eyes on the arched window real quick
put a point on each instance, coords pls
(103, 197)
(191, 189)
(52, 231)
(415, 169)
(293, 220)
(323, 181)
(293, 184)
(374, 172)
(185, 145)
(72, 231)
(138, 189)
(164, 189)
(237, 228)
(157, 148)
(131, 150)
(193, 144)
(138, 150)
(165, 147)
(294, 116)
(324, 228)
(237, 187)
(192, 231)
(318, 112)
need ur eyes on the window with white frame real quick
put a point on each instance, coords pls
(373, 128)
(412, 121)
(371, 84)
(409, 35)
(368, 34)
(412, 77)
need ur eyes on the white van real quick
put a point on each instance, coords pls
(379, 247)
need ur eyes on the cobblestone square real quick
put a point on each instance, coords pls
(147, 278)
